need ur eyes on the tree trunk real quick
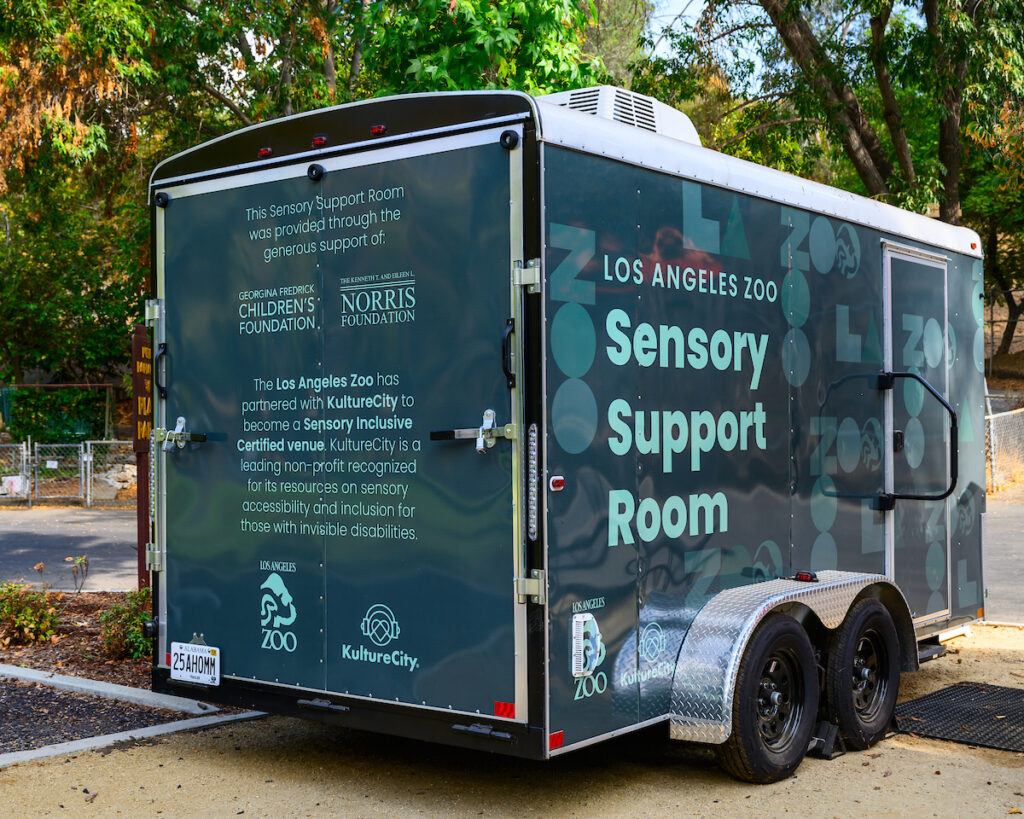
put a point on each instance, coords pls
(951, 74)
(890, 108)
(1014, 308)
(842, 108)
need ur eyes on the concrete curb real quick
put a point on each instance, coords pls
(111, 691)
(92, 743)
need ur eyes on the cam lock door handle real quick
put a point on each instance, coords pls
(485, 435)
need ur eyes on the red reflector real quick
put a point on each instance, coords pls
(265, 152)
(505, 709)
(319, 141)
(167, 661)
(556, 740)
(378, 130)
(557, 483)
(806, 577)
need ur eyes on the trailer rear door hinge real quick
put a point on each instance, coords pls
(528, 276)
(534, 587)
(154, 558)
(153, 309)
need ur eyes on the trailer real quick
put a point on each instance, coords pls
(518, 423)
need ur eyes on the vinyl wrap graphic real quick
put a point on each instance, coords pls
(712, 411)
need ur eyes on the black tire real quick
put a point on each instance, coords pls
(775, 704)
(863, 676)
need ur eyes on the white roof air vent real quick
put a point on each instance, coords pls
(629, 108)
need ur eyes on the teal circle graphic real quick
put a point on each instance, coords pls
(574, 416)
(795, 298)
(822, 245)
(979, 350)
(796, 357)
(978, 304)
(935, 567)
(913, 394)
(823, 503)
(950, 346)
(824, 554)
(933, 342)
(937, 602)
(573, 340)
(848, 445)
(913, 443)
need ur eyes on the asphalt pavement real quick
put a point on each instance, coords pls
(48, 535)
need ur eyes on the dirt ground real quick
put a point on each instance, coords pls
(77, 649)
(286, 767)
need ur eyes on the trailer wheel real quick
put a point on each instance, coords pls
(863, 676)
(775, 703)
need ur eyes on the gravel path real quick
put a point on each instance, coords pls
(33, 715)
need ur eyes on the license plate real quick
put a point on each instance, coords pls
(195, 663)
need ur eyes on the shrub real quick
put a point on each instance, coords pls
(122, 626)
(27, 615)
(56, 415)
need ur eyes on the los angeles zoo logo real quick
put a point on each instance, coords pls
(277, 609)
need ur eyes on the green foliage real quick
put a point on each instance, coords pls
(122, 626)
(56, 415)
(26, 615)
(437, 45)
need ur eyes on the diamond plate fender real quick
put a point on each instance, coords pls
(710, 656)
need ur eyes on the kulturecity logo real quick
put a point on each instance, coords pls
(380, 625)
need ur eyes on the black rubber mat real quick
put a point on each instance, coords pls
(973, 713)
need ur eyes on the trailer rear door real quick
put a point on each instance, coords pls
(320, 324)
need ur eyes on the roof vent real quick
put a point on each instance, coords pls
(629, 108)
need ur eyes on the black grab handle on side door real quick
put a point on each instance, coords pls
(506, 353)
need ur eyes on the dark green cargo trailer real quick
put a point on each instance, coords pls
(519, 423)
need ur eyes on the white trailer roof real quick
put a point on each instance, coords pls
(559, 125)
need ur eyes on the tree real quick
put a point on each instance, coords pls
(892, 83)
(615, 34)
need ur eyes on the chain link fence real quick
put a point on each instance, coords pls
(15, 475)
(59, 471)
(111, 477)
(1004, 448)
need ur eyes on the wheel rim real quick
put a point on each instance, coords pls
(779, 700)
(870, 678)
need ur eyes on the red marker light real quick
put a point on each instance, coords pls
(505, 709)
(557, 483)
(974, 245)
(806, 577)
(167, 661)
(319, 141)
(265, 152)
(378, 130)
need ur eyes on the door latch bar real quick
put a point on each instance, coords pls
(485, 435)
(178, 435)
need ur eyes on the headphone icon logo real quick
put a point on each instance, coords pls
(380, 625)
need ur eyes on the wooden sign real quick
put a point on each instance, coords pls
(142, 387)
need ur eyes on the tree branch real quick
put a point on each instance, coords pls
(229, 103)
(781, 95)
(764, 126)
